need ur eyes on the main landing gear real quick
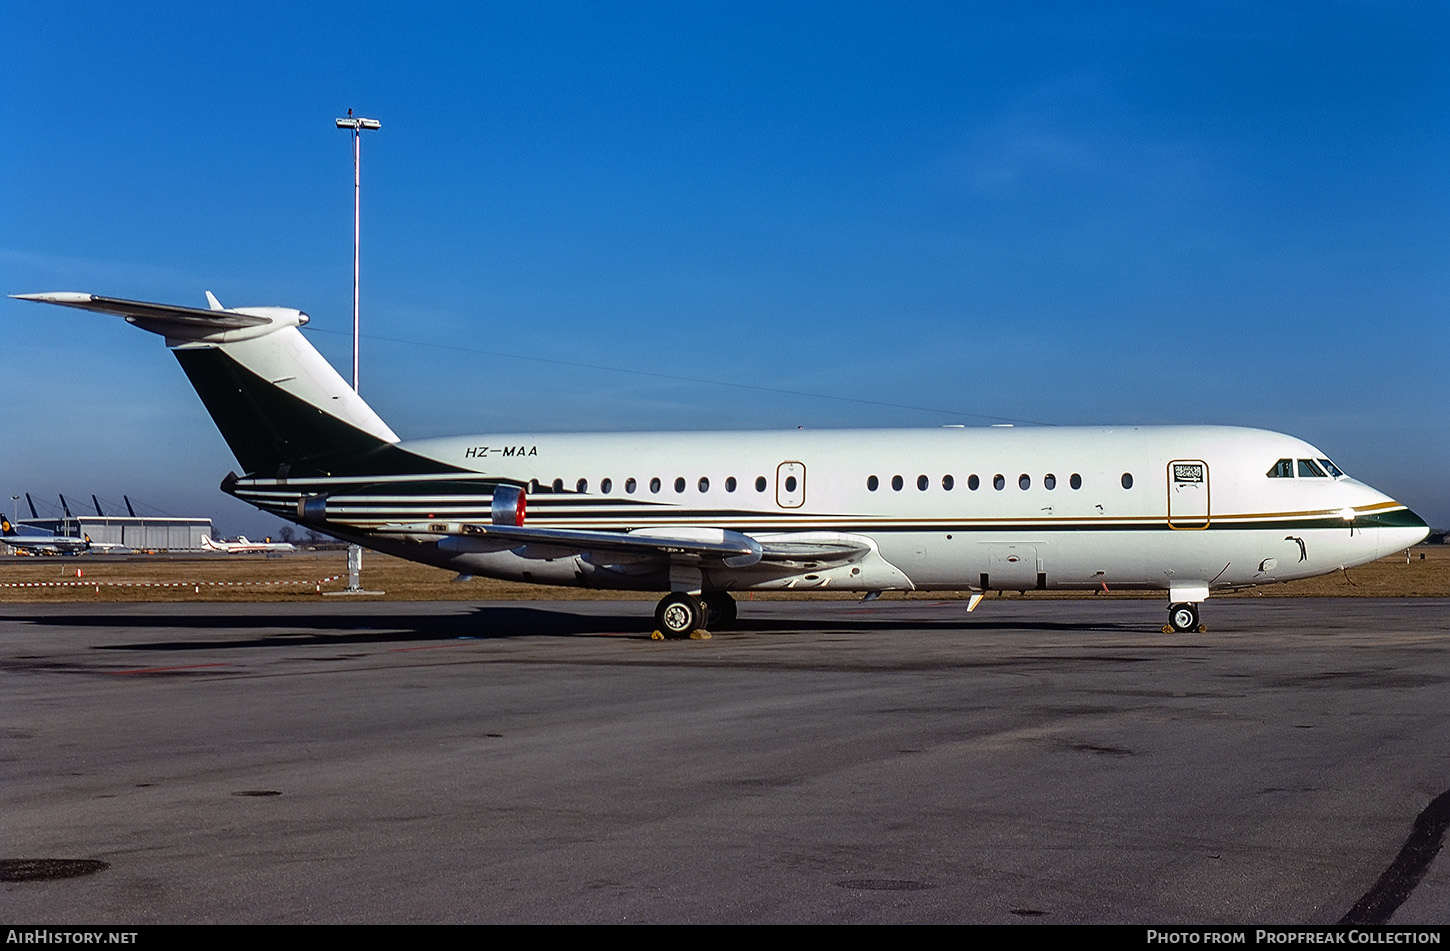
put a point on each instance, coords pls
(681, 615)
(1182, 619)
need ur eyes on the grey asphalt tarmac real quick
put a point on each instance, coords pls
(897, 761)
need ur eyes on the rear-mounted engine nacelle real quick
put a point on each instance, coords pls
(312, 509)
(508, 505)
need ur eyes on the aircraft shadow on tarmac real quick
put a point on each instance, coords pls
(486, 622)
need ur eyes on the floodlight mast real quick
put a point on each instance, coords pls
(357, 124)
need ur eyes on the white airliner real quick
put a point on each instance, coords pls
(1179, 509)
(243, 546)
(41, 543)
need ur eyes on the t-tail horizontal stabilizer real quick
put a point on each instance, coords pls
(183, 324)
(275, 399)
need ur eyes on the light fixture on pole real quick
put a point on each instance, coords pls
(357, 124)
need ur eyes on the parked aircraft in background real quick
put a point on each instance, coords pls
(34, 542)
(1180, 509)
(244, 547)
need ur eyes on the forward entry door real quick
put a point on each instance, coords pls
(1188, 494)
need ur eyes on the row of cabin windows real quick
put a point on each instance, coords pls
(999, 482)
(631, 485)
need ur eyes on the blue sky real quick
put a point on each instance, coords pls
(643, 216)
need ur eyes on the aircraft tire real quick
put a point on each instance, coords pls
(719, 609)
(1183, 618)
(678, 615)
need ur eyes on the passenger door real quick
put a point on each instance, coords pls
(1188, 494)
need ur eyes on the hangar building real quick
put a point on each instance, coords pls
(140, 533)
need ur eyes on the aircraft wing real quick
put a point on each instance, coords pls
(729, 548)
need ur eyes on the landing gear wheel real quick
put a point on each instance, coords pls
(678, 615)
(719, 609)
(1183, 618)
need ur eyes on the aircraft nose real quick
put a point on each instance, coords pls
(1400, 530)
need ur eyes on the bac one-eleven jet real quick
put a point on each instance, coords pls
(1180, 509)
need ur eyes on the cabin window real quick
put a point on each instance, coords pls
(947, 482)
(533, 486)
(1127, 480)
(606, 485)
(999, 482)
(1024, 482)
(973, 482)
(630, 485)
(790, 483)
(896, 483)
(558, 485)
(922, 482)
(1331, 468)
(1075, 481)
(581, 486)
(679, 483)
(730, 484)
(1049, 481)
(760, 483)
(654, 485)
(1283, 469)
(1309, 469)
(704, 484)
(872, 483)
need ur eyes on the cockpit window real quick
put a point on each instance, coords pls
(1331, 468)
(1309, 469)
(1283, 469)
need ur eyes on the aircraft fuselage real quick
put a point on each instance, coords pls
(1177, 508)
